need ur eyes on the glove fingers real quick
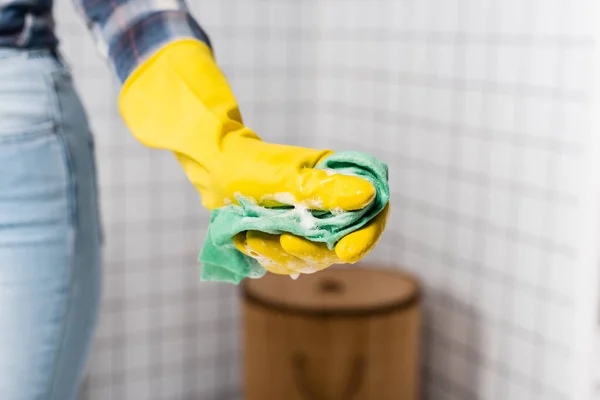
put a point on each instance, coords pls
(322, 191)
(239, 241)
(354, 246)
(316, 255)
(266, 249)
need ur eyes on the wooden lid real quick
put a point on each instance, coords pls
(335, 291)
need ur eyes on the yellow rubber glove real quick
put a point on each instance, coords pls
(179, 100)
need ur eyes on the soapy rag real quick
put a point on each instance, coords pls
(222, 261)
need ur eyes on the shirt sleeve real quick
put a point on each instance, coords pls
(128, 32)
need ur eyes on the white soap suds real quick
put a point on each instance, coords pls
(261, 259)
(307, 221)
(315, 204)
(294, 276)
(300, 211)
(309, 269)
(337, 211)
(283, 198)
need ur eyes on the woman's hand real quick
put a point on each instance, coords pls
(179, 100)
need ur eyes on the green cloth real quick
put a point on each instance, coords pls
(222, 261)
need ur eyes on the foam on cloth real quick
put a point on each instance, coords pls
(222, 261)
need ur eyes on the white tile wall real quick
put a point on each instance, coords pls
(479, 107)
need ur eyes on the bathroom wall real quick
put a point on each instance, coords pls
(486, 113)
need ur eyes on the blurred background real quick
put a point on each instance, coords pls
(485, 111)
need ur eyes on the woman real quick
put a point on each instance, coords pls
(172, 96)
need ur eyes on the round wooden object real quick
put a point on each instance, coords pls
(340, 334)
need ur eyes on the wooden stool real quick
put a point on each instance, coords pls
(340, 334)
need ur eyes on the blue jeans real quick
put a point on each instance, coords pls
(50, 231)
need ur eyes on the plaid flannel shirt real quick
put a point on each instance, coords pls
(127, 32)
